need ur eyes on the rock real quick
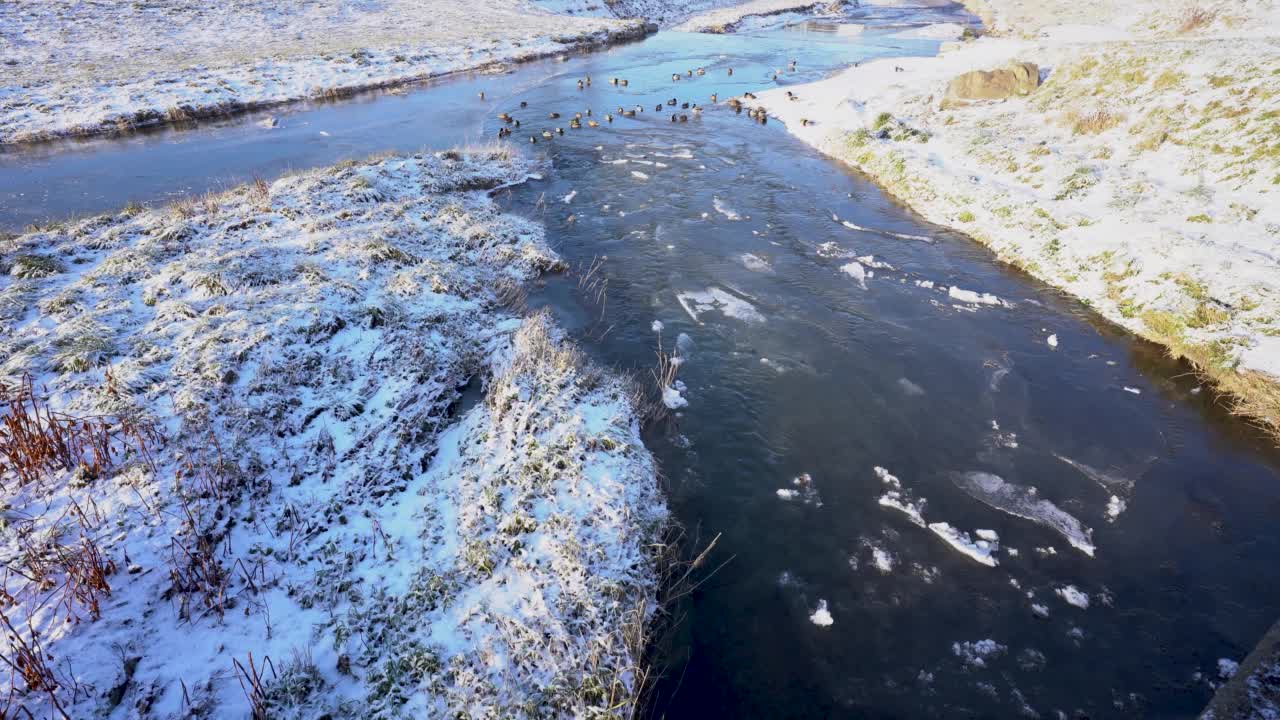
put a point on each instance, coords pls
(1016, 79)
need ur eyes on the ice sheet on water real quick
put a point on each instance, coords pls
(975, 298)
(724, 209)
(755, 263)
(857, 272)
(1073, 595)
(673, 396)
(821, 615)
(910, 388)
(802, 489)
(696, 303)
(1025, 502)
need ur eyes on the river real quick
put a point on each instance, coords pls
(1129, 525)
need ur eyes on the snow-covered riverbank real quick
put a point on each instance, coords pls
(1141, 176)
(89, 68)
(275, 498)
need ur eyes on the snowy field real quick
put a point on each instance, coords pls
(245, 478)
(1142, 176)
(76, 68)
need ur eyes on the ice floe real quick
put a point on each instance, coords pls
(910, 388)
(982, 551)
(1072, 595)
(976, 653)
(695, 303)
(724, 209)
(755, 263)
(801, 489)
(1025, 502)
(821, 616)
(857, 272)
(975, 298)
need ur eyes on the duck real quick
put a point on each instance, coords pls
(623, 83)
(588, 81)
(559, 131)
(730, 71)
(749, 96)
(613, 81)
(684, 118)
(684, 106)
(546, 134)
(588, 112)
(673, 117)
(575, 124)
(608, 117)
(713, 97)
(697, 110)
(524, 103)
(688, 73)
(553, 116)
(504, 117)
(593, 123)
(789, 94)
(481, 94)
(503, 132)
(672, 102)
(533, 139)
(517, 123)
(577, 116)
(805, 122)
(657, 108)
(581, 84)
(675, 77)
(628, 113)
(702, 71)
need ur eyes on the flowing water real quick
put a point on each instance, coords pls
(1129, 527)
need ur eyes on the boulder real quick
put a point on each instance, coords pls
(1014, 80)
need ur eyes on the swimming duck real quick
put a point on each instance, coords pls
(517, 123)
(581, 84)
(675, 77)
(730, 71)
(684, 106)
(657, 108)
(481, 94)
(577, 116)
(533, 139)
(588, 112)
(673, 117)
(672, 102)
(608, 117)
(713, 97)
(504, 117)
(592, 123)
(588, 81)
(524, 103)
(702, 71)
(553, 116)
(684, 118)
(697, 110)
(575, 124)
(688, 73)
(503, 132)
(628, 113)
(749, 96)
(613, 81)
(623, 83)
(559, 131)
(546, 134)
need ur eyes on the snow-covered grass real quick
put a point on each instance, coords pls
(727, 19)
(295, 515)
(1141, 176)
(78, 68)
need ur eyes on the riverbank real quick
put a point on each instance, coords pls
(291, 451)
(86, 69)
(1139, 176)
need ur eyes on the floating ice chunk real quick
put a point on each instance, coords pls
(801, 488)
(1012, 551)
(755, 263)
(1108, 481)
(977, 652)
(672, 396)
(926, 284)
(1040, 610)
(569, 198)
(1133, 390)
(269, 122)
(1024, 502)
(832, 250)
(857, 272)
(988, 535)
(1227, 668)
(1115, 506)
(657, 326)
(980, 550)
(619, 161)
(1052, 340)
(911, 508)
(639, 175)
(821, 615)
(871, 262)
(1051, 550)
(695, 303)
(723, 208)
(887, 478)
(974, 298)
(882, 559)
(1074, 596)
(910, 388)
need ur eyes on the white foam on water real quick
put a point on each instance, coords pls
(1133, 390)
(569, 198)
(1040, 610)
(980, 550)
(1115, 506)
(882, 560)
(821, 615)
(887, 233)
(639, 175)
(976, 653)
(1073, 596)
(1025, 502)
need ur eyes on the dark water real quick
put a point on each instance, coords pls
(830, 378)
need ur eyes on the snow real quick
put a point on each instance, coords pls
(973, 297)
(84, 68)
(732, 16)
(673, 396)
(1166, 220)
(317, 499)
(821, 615)
(1073, 596)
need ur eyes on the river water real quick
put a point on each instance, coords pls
(1130, 527)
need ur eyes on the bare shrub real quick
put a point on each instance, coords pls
(1092, 123)
(1195, 17)
(34, 439)
(26, 659)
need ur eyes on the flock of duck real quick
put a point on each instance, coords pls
(758, 114)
